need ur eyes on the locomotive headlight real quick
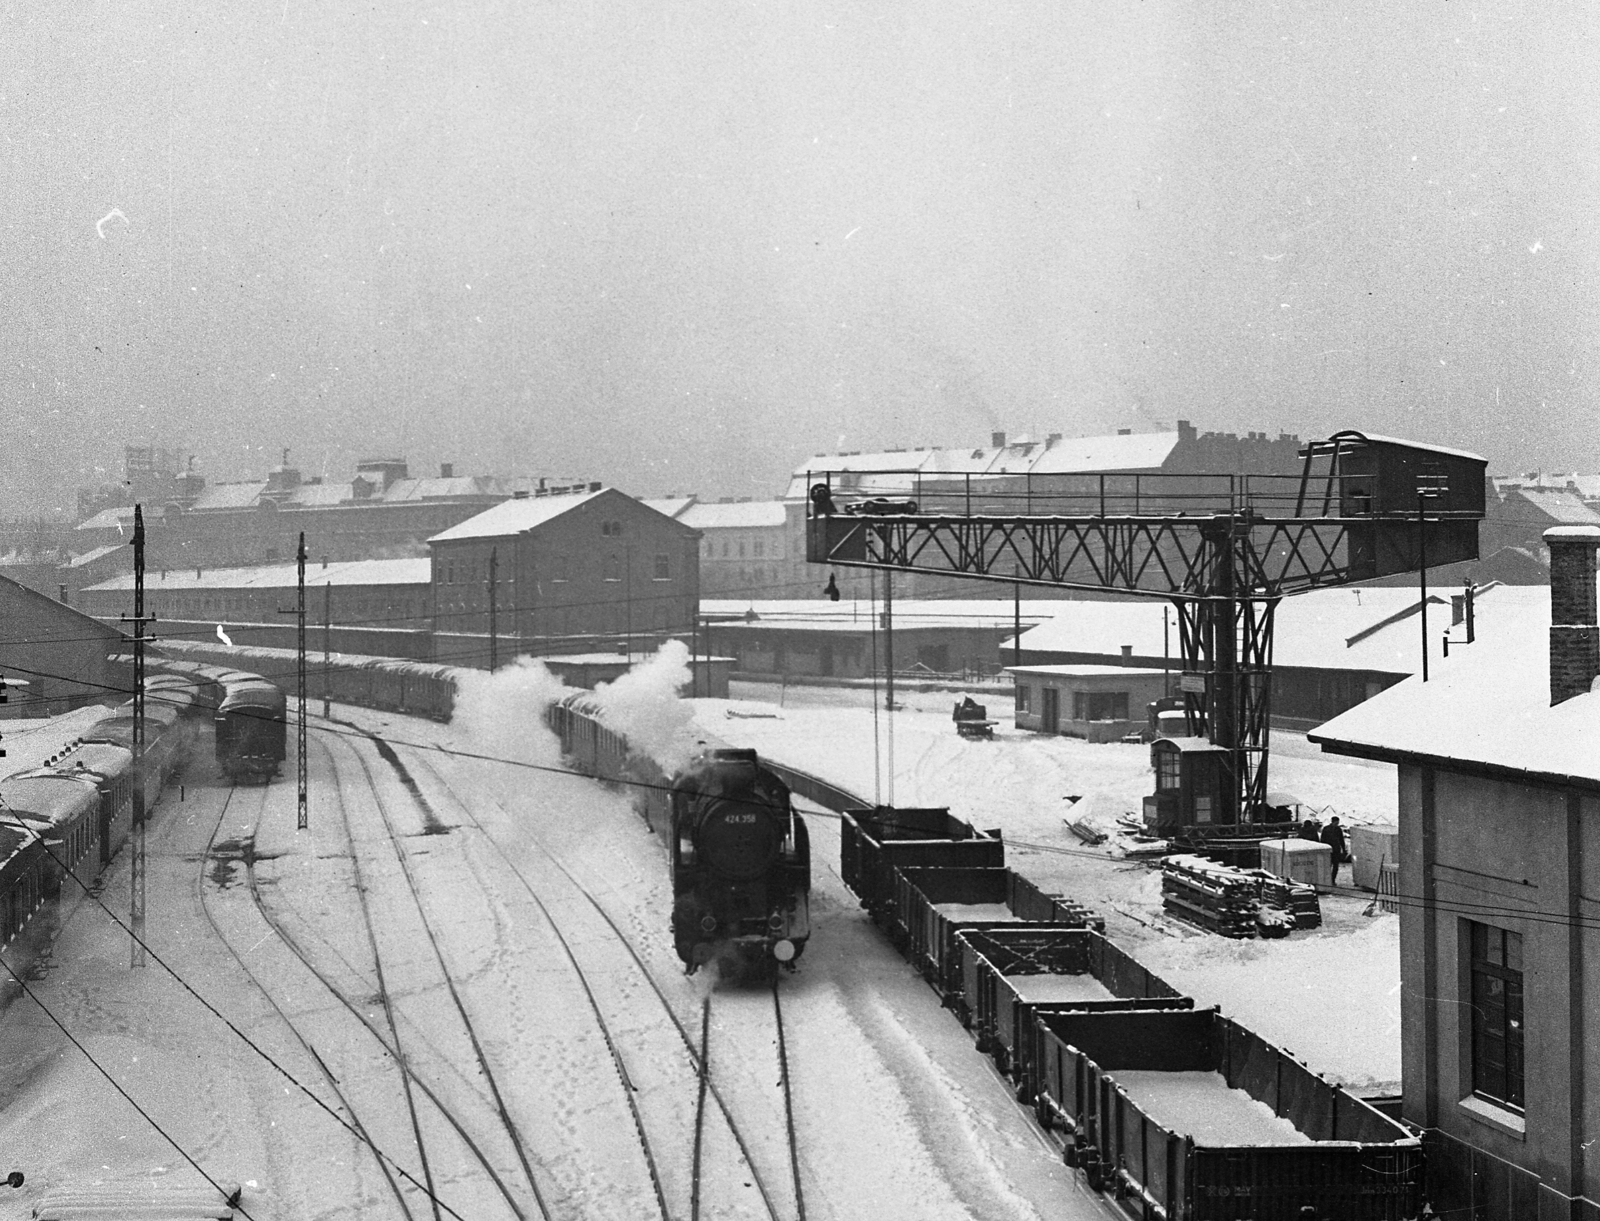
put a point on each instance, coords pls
(708, 924)
(775, 921)
(783, 951)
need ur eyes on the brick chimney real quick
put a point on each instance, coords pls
(1574, 636)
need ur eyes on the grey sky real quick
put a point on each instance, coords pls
(684, 248)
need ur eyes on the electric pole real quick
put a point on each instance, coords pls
(302, 819)
(494, 637)
(137, 858)
(327, 650)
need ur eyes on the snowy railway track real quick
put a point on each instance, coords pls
(364, 889)
(208, 859)
(351, 988)
(662, 1076)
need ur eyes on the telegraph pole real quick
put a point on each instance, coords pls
(327, 649)
(494, 635)
(137, 857)
(301, 817)
(888, 637)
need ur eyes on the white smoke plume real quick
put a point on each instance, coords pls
(645, 705)
(504, 711)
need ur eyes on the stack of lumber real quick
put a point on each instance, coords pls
(1296, 898)
(1215, 897)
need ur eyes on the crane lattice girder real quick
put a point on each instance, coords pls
(1159, 556)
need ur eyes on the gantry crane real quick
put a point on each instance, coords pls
(1224, 549)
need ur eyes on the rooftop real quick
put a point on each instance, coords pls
(279, 576)
(750, 514)
(1483, 706)
(514, 517)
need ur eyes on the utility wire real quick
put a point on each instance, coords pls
(230, 1197)
(221, 1017)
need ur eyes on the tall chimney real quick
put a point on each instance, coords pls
(1574, 636)
(997, 440)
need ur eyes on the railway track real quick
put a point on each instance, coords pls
(353, 988)
(207, 861)
(663, 1062)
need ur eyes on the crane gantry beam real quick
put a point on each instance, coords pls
(1223, 548)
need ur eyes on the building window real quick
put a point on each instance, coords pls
(1496, 967)
(761, 547)
(611, 529)
(741, 548)
(1167, 771)
(663, 566)
(1024, 698)
(1099, 705)
(558, 566)
(613, 569)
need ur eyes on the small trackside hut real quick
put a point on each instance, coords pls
(1190, 777)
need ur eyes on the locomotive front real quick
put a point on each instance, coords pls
(741, 864)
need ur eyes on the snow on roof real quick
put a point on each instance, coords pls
(1089, 671)
(1085, 626)
(1373, 628)
(1072, 455)
(857, 614)
(514, 517)
(1134, 451)
(752, 514)
(1561, 506)
(110, 519)
(453, 487)
(89, 557)
(669, 506)
(417, 571)
(1486, 704)
(1353, 434)
(240, 495)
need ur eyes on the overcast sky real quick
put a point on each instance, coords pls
(681, 247)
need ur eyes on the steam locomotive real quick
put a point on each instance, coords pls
(741, 865)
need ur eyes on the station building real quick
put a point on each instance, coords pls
(566, 568)
(1499, 892)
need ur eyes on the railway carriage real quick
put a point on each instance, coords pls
(62, 808)
(22, 866)
(251, 728)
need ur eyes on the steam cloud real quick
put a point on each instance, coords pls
(504, 711)
(644, 705)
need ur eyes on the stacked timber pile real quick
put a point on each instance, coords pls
(1218, 898)
(1296, 898)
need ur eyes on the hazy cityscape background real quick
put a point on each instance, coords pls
(682, 250)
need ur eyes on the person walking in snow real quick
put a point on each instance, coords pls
(1333, 836)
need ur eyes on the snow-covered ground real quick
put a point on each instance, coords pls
(1331, 996)
(898, 1116)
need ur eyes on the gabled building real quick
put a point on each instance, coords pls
(567, 568)
(1499, 794)
(53, 657)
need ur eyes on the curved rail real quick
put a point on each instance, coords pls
(333, 1083)
(683, 1033)
(484, 1067)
